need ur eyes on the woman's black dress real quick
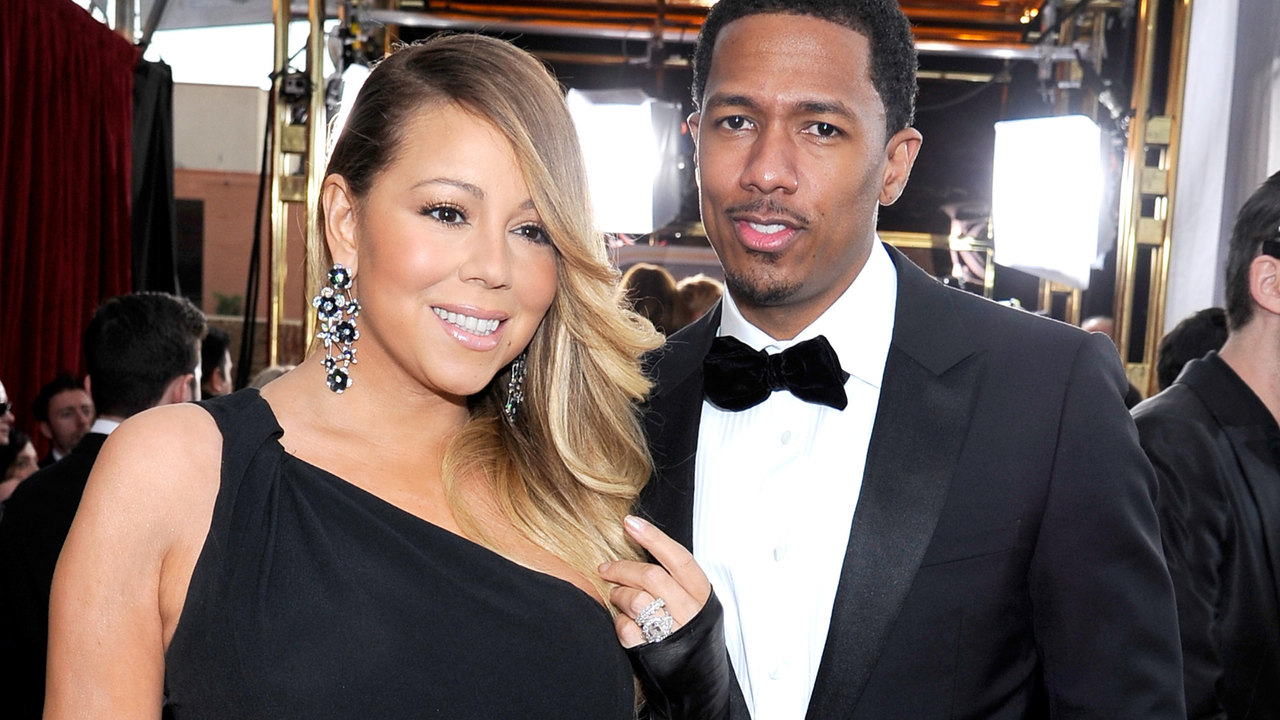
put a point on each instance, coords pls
(315, 599)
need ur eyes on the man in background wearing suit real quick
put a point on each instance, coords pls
(65, 411)
(1214, 441)
(141, 350)
(912, 502)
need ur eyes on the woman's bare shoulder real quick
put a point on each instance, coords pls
(166, 455)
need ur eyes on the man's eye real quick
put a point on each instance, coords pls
(824, 129)
(735, 122)
(447, 214)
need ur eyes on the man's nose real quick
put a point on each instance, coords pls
(771, 163)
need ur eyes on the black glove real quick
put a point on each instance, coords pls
(686, 676)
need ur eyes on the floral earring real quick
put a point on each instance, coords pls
(336, 313)
(515, 387)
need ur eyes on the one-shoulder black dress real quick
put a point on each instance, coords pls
(315, 599)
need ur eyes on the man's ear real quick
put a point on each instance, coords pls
(46, 430)
(179, 390)
(695, 123)
(340, 222)
(900, 154)
(1264, 283)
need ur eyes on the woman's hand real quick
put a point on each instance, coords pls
(677, 580)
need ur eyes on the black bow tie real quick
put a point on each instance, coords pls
(738, 377)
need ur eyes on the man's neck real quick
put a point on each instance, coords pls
(1253, 353)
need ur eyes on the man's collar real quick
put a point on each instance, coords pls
(859, 324)
(104, 426)
(1233, 401)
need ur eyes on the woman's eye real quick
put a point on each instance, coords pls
(533, 233)
(446, 214)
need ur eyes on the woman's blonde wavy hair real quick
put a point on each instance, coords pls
(568, 470)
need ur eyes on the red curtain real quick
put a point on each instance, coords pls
(66, 130)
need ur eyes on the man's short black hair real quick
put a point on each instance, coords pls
(1258, 220)
(882, 22)
(1189, 340)
(63, 382)
(214, 347)
(136, 345)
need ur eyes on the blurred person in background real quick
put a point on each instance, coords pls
(1191, 339)
(1104, 324)
(1214, 440)
(651, 290)
(65, 411)
(215, 364)
(17, 462)
(6, 416)
(142, 351)
(698, 294)
(266, 375)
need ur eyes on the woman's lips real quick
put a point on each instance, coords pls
(473, 331)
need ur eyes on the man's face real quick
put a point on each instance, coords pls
(792, 163)
(70, 415)
(217, 381)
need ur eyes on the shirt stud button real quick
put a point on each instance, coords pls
(779, 552)
(786, 436)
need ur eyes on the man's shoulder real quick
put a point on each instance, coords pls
(50, 491)
(1177, 426)
(682, 354)
(1006, 334)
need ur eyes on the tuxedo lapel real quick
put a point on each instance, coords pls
(1227, 398)
(671, 420)
(926, 399)
(1258, 463)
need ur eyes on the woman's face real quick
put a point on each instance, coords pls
(6, 416)
(453, 270)
(24, 464)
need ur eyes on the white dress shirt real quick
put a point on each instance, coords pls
(776, 487)
(104, 426)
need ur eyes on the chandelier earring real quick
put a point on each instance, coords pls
(336, 313)
(515, 387)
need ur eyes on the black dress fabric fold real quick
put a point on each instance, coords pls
(315, 599)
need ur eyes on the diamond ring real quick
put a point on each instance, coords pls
(655, 627)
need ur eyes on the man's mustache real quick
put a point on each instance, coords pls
(767, 206)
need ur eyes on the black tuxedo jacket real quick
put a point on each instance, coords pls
(1004, 559)
(1212, 442)
(36, 520)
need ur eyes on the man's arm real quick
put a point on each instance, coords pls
(1103, 605)
(1195, 527)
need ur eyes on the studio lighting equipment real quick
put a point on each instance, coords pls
(630, 143)
(1046, 195)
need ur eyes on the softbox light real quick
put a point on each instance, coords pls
(630, 143)
(1046, 193)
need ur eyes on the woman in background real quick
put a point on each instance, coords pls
(18, 461)
(412, 522)
(651, 290)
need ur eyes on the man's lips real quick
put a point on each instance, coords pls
(765, 234)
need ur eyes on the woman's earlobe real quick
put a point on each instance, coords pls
(338, 215)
